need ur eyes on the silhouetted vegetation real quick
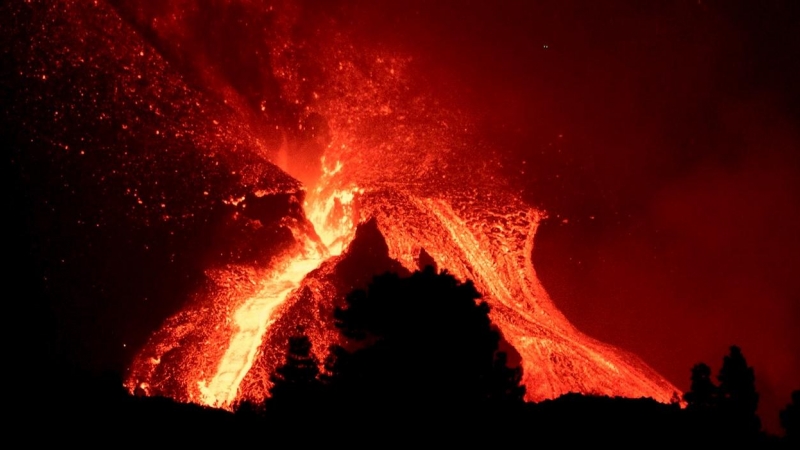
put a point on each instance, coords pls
(726, 411)
(424, 339)
(703, 393)
(790, 419)
(737, 392)
(423, 344)
(296, 388)
(420, 358)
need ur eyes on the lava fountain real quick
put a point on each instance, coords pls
(391, 173)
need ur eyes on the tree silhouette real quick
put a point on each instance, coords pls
(703, 393)
(296, 384)
(506, 382)
(737, 390)
(790, 419)
(724, 413)
(425, 339)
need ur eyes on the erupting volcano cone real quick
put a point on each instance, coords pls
(163, 140)
(488, 239)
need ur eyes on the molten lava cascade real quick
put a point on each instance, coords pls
(391, 172)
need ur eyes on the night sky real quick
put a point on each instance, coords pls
(661, 138)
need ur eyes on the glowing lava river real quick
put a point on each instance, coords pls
(321, 159)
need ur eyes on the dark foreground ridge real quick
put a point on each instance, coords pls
(418, 361)
(107, 415)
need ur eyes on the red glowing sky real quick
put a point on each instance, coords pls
(663, 140)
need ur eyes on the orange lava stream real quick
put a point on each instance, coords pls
(253, 318)
(522, 309)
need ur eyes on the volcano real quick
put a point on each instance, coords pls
(379, 228)
(281, 164)
(385, 170)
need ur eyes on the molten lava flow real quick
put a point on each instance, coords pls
(252, 319)
(256, 314)
(492, 250)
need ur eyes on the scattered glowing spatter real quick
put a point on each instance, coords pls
(256, 314)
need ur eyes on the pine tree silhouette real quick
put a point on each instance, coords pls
(703, 393)
(737, 390)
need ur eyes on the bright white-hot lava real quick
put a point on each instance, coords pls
(331, 216)
(331, 212)
(252, 319)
